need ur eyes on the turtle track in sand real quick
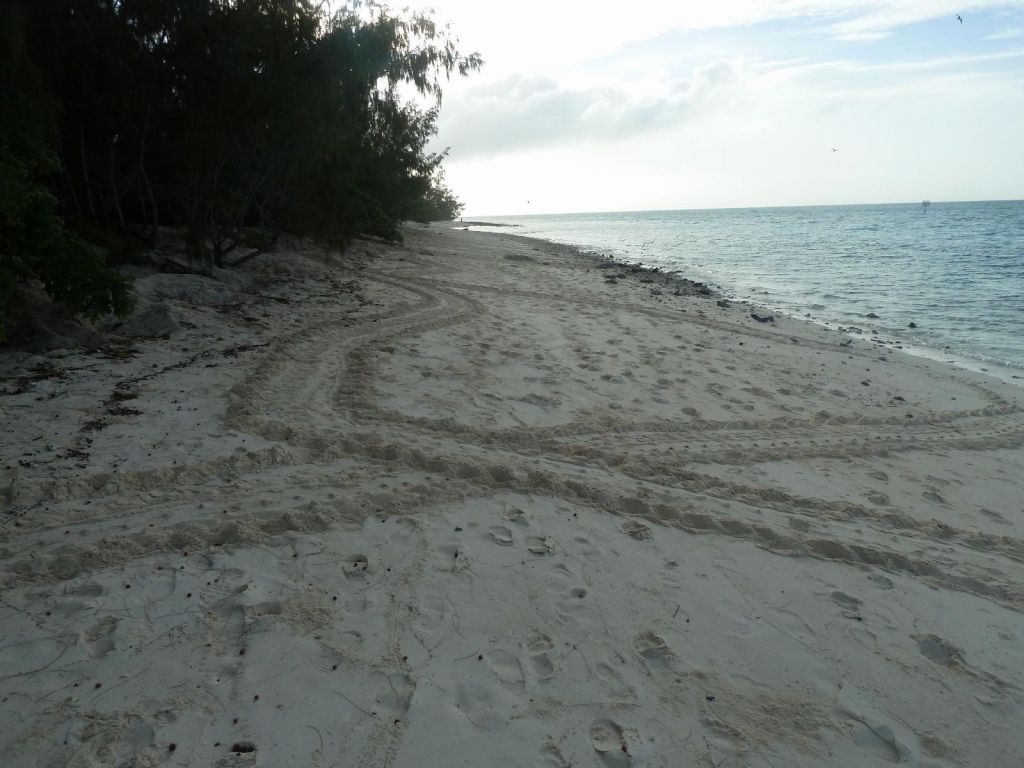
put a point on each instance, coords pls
(312, 392)
(339, 450)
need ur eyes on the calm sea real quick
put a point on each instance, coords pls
(956, 270)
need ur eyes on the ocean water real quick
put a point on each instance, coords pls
(956, 270)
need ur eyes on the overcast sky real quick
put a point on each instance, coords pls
(597, 106)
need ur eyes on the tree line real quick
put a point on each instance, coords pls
(231, 120)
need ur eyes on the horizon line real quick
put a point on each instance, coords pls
(743, 207)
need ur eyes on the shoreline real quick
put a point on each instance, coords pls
(469, 498)
(945, 347)
(999, 370)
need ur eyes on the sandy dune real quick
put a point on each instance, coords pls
(470, 502)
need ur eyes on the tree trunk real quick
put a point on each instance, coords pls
(85, 177)
(146, 189)
(195, 240)
(117, 195)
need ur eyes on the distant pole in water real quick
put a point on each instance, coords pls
(924, 205)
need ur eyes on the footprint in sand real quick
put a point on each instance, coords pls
(880, 581)
(357, 566)
(538, 641)
(615, 684)
(406, 529)
(506, 666)
(542, 666)
(453, 556)
(478, 703)
(609, 742)
(654, 651)
(551, 757)
(940, 651)
(540, 546)
(880, 741)
(350, 641)
(98, 639)
(850, 604)
(516, 516)
(431, 612)
(538, 644)
(501, 536)
(396, 693)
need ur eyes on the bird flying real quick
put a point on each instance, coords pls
(834, 149)
(959, 19)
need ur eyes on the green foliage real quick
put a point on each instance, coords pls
(224, 115)
(34, 243)
(437, 204)
(217, 116)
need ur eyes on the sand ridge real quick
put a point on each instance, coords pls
(470, 502)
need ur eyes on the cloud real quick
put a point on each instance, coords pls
(875, 20)
(536, 35)
(585, 108)
(520, 112)
(897, 68)
(1007, 34)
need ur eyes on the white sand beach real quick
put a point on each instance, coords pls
(472, 501)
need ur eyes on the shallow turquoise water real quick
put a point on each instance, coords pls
(955, 270)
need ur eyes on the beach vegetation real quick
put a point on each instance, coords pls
(228, 121)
